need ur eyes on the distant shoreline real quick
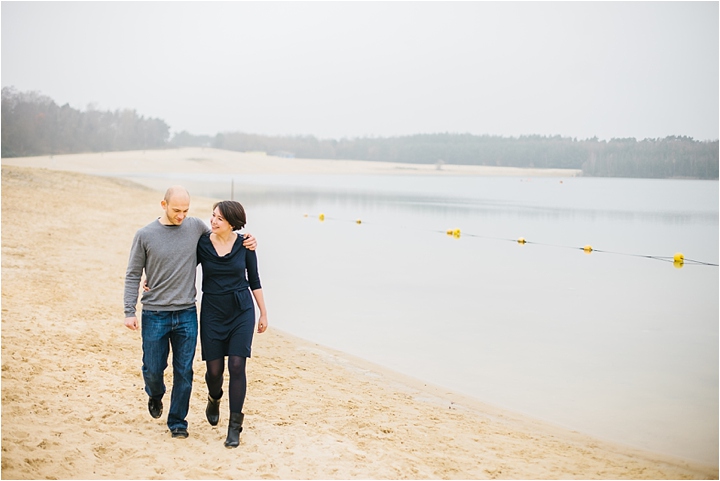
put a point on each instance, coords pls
(209, 160)
(218, 161)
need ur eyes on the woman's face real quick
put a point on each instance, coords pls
(218, 224)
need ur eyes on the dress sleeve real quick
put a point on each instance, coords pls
(252, 270)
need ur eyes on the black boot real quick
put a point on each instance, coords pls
(234, 430)
(212, 411)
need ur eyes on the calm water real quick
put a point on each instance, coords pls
(611, 344)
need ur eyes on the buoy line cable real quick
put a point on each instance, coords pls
(678, 259)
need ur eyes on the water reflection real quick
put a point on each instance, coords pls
(446, 205)
(363, 197)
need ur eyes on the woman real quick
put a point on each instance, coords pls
(227, 313)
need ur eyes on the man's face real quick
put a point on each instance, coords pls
(176, 209)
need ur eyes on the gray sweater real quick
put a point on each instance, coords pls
(168, 255)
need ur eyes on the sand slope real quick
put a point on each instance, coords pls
(73, 404)
(216, 161)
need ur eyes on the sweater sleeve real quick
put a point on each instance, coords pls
(252, 270)
(133, 275)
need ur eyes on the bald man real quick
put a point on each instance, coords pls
(166, 250)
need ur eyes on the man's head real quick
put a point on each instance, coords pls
(176, 205)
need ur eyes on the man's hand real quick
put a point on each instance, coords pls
(250, 242)
(131, 323)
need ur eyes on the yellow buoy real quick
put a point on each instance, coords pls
(358, 221)
(456, 233)
(678, 260)
(449, 232)
(321, 217)
(521, 240)
(588, 249)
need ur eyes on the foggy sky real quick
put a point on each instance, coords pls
(342, 69)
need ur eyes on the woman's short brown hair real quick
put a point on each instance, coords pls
(233, 212)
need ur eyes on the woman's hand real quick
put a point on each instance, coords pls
(262, 324)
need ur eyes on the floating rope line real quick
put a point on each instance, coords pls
(678, 260)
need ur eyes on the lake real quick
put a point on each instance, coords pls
(610, 343)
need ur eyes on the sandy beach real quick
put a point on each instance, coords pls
(73, 404)
(213, 161)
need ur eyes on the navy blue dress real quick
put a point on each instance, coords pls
(227, 311)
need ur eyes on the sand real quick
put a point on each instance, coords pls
(73, 405)
(214, 161)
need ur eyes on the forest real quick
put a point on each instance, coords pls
(33, 124)
(669, 157)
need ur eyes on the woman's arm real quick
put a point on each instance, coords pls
(260, 301)
(256, 288)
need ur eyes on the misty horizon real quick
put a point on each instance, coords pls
(337, 70)
(94, 107)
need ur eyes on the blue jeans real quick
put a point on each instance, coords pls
(160, 330)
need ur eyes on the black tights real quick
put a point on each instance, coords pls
(238, 380)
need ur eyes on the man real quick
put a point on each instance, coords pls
(165, 250)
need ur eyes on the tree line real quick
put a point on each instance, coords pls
(669, 157)
(33, 124)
